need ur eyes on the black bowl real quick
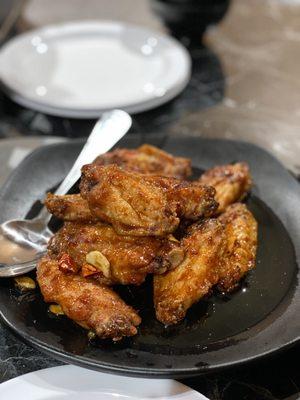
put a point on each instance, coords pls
(190, 18)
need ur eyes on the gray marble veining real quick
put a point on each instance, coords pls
(17, 358)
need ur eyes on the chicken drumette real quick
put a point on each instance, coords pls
(90, 304)
(232, 183)
(69, 207)
(141, 205)
(128, 259)
(176, 290)
(241, 237)
(218, 251)
(147, 159)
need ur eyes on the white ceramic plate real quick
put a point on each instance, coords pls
(81, 69)
(73, 383)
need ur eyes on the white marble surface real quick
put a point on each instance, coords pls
(258, 45)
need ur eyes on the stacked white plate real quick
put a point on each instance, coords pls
(81, 69)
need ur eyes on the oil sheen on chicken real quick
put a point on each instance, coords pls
(218, 252)
(148, 159)
(232, 183)
(141, 205)
(130, 258)
(90, 304)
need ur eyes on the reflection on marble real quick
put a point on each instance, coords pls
(258, 45)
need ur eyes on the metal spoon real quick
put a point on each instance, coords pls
(26, 240)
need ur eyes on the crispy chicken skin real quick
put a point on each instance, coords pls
(130, 258)
(88, 303)
(141, 205)
(232, 183)
(241, 236)
(176, 290)
(218, 251)
(119, 229)
(147, 159)
(69, 207)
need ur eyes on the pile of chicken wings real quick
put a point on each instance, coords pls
(138, 214)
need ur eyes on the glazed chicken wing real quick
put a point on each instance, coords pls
(129, 259)
(147, 159)
(218, 251)
(118, 229)
(232, 183)
(69, 207)
(176, 290)
(90, 304)
(141, 205)
(241, 236)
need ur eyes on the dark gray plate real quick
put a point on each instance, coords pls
(259, 318)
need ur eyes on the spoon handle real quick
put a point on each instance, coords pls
(109, 129)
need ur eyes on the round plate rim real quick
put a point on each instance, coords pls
(146, 372)
(78, 113)
(61, 370)
(151, 372)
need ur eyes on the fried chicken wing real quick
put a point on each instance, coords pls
(130, 258)
(89, 304)
(127, 201)
(141, 205)
(147, 159)
(241, 236)
(176, 290)
(69, 207)
(119, 229)
(232, 183)
(218, 251)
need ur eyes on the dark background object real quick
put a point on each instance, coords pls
(190, 18)
(217, 333)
